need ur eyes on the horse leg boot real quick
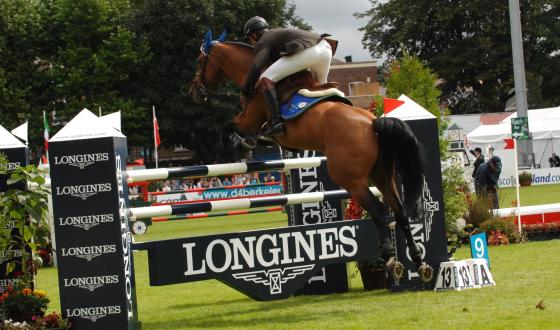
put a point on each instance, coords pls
(275, 125)
(424, 270)
(378, 212)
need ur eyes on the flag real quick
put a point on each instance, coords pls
(46, 131)
(157, 140)
(509, 144)
(391, 104)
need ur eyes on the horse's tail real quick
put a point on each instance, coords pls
(401, 154)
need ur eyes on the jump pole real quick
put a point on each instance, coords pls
(198, 171)
(242, 203)
(212, 215)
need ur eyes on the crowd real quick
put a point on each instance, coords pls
(218, 182)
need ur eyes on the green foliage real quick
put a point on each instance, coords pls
(468, 44)
(21, 303)
(27, 210)
(505, 226)
(525, 176)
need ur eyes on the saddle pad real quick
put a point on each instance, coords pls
(298, 104)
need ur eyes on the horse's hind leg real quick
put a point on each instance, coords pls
(424, 270)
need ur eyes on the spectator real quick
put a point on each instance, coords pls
(166, 186)
(226, 182)
(215, 182)
(486, 180)
(254, 179)
(479, 159)
(556, 160)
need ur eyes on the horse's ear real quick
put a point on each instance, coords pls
(208, 40)
(222, 37)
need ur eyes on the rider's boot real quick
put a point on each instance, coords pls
(275, 124)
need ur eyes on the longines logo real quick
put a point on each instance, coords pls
(88, 252)
(9, 166)
(81, 161)
(93, 313)
(270, 251)
(83, 191)
(422, 227)
(274, 278)
(91, 282)
(126, 237)
(86, 221)
(6, 255)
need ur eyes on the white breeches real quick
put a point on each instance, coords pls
(316, 58)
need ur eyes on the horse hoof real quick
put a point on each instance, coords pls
(395, 268)
(426, 272)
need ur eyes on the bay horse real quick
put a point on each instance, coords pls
(359, 147)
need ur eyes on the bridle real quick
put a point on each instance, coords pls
(202, 89)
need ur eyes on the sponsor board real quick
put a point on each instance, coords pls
(265, 264)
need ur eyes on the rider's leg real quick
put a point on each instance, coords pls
(322, 64)
(275, 123)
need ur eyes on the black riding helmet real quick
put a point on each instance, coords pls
(254, 24)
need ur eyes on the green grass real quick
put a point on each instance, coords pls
(524, 273)
(531, 195)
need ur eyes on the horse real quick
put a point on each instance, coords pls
(359, 147)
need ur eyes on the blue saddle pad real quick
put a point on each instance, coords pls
(298, 104)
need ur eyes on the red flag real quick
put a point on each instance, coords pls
(509, 144)
(391, 104)
(157, 140)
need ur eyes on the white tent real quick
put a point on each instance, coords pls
(544, 125)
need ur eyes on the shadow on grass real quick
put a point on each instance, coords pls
(229, 315)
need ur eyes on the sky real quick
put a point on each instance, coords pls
(336, 18)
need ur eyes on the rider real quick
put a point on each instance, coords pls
(289, 50)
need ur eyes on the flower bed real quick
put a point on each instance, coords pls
(542, 231)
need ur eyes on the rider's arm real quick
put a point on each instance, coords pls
(261, 59)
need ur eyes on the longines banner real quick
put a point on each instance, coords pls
(428, 231)
(16, 157)
(265, 264)
(333, 278)
(90, 201)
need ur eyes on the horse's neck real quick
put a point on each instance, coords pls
(235, 61)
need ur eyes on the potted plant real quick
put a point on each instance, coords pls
(525, 179)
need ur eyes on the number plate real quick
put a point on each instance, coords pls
(464, 274)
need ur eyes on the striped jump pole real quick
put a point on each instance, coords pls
(245, 203)
(198, 171)
(219, 214)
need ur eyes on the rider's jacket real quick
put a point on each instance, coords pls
(276, 43)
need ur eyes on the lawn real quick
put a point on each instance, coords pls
(531, 195)
(525, 274)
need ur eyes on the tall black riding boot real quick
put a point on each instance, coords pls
(275, 125)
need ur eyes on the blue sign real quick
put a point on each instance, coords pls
(479, 247)
(242, 192)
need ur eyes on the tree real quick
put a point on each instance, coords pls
(468, 44)
(23, 43)
(98, 63)
(175, 30)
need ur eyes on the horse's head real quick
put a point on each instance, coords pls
(208, 73)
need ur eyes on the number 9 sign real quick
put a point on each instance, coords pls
(479, 248)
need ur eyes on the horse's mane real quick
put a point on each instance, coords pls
(240, 44)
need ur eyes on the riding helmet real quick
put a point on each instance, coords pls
(254, 24)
